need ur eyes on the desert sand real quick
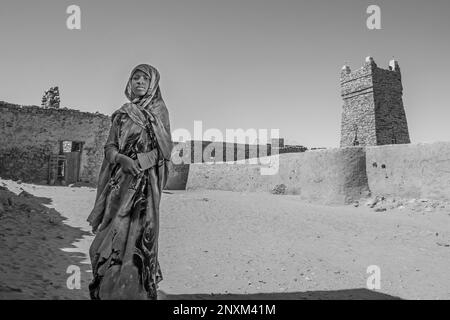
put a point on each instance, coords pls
(228, 245)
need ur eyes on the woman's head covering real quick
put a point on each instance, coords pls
(153, 104)
(153, 87)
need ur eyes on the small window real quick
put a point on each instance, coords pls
(70, 146)
(66, 146)
(77, 146)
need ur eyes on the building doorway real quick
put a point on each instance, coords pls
(69, 168)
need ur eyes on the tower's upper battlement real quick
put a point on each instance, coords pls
(368, 68)
(364, 79)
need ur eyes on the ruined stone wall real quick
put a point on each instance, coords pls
(206, 151)
(292, 149)
(373, 111)
(31, 135)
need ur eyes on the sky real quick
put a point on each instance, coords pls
(250, 64)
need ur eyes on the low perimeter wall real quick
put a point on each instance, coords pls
(332, 176)
(336, 176)
(410, 170)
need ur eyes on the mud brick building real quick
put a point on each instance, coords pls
(51, 146)
(373, 112)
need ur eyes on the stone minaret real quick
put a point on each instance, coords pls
(373, 112)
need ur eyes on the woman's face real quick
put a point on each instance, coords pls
(140, 83)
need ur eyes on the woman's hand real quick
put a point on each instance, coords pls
(129, 166)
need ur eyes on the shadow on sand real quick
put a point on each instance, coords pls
(349, 294)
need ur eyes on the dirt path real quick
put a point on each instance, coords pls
(250, 243)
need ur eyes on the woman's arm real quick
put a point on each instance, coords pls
(112, 143)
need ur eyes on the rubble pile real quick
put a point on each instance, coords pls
(381, 204)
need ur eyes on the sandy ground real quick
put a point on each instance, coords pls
(33, 266)
(226, 245)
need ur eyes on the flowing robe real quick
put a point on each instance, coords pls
(125, 218)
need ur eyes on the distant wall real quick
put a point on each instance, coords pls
(340, 176)
(219, 152)
(31, 135)
(410, 170)
(334, 176)
(206, 151)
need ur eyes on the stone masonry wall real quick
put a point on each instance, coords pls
(358, 114)
(207, 151)
(391, 124)
(30, 138)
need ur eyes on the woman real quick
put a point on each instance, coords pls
(125, 218)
